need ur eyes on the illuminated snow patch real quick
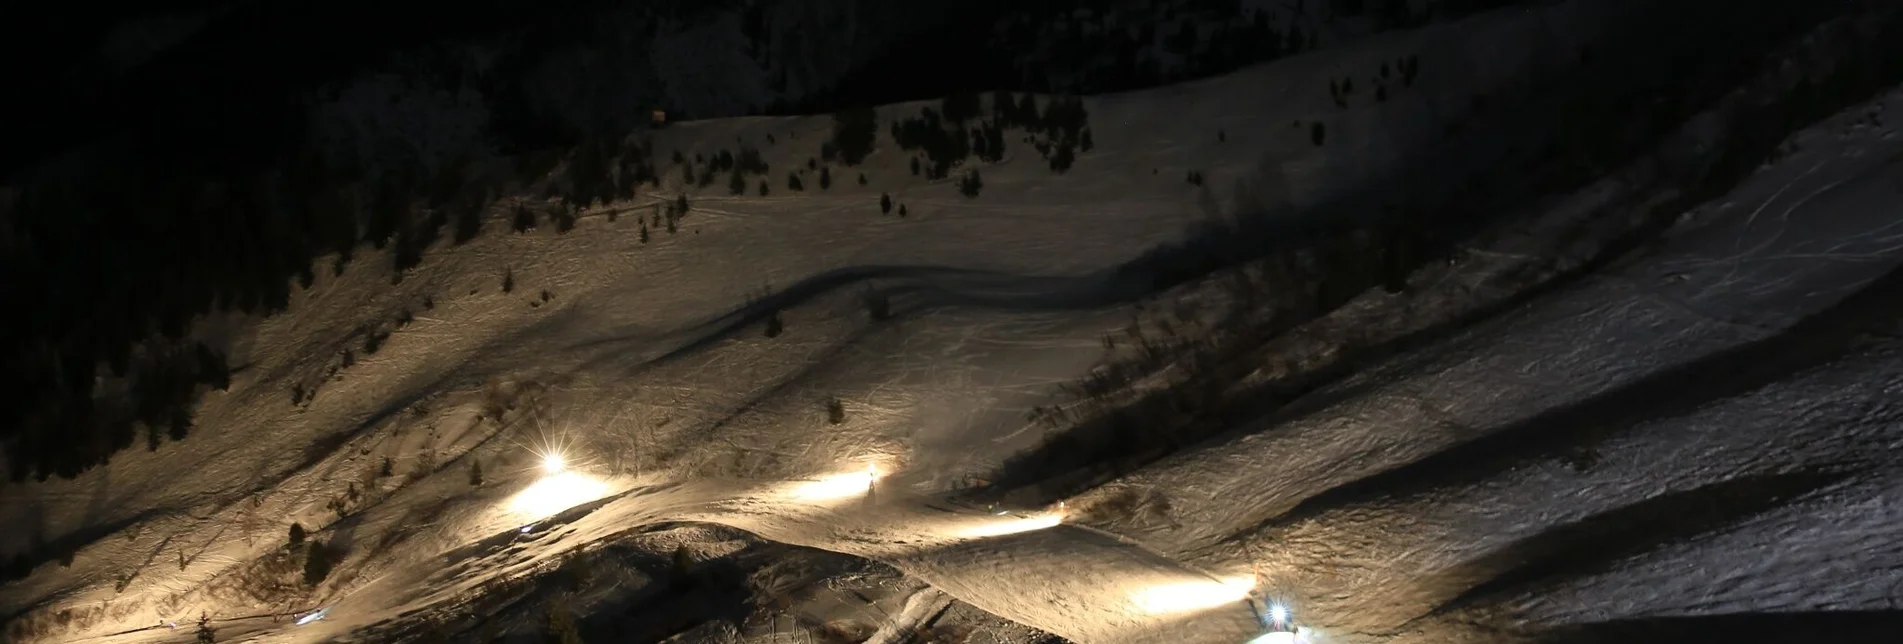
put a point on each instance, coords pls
(1183, 597)
(555, 493)
(836, 487)
(1012, 525)
(1283, 637)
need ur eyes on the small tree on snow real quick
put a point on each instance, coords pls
(885, 203)
(297, 533)
(825, 177)
(681, 571)
(774, 327)
(524, 219)
(205, 633)
(475, 473)
(971, 184)
(318, 562)
(835, 411)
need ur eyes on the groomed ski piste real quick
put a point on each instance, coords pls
(1694, 441)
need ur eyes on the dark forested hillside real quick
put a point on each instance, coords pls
(201, 156)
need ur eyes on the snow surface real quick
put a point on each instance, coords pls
(641, 364)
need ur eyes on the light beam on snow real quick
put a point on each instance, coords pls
(1280, 637)
(314, 616)
(1189, 596)
(837, 487)
(997, 527)
(556, 492)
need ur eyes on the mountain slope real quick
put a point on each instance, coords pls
(646, 357)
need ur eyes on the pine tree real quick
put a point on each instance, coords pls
(318, 561)
(960, 106)
(901, 210)
(524, 218)
(644, 232)
(736, 183)
(885, 203)
(468, 223)
(971, 184)
(855, 131)
(763, 187)
(680, 205)
(212, 369)
(205, 634)
(914, 166)
(793, 181)
(297, 533)
(561, 627)
(1003, 107)
(774, 327)
(475, 473)
(835, 411)
(825, 178)
(1062, 159)
(508, 280)
(681, 569)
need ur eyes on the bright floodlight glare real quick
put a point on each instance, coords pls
(837, 486)
(1013, 525)
(552, 463)
(1183, 597)
(1278, 613)
(555, 493)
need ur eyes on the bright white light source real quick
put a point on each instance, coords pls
(552, 463)
(1013, 525)
(555, 493)
(836, 487)
(1278, 613)
(1190, 596)
(1279, 637)
(314, 616)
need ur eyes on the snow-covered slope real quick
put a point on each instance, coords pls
(403, 423)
